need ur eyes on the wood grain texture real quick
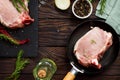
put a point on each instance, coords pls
(55, 77)
(58, 54)
(55, 27)
(47, 9)
(56, 32)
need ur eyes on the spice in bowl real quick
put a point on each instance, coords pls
(82, 8)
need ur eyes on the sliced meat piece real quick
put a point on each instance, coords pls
(11, 18)
(90, 48)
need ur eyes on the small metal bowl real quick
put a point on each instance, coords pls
(75, 3)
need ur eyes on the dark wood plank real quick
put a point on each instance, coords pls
(58, 54)
(47, 9)
(56, 32)
(60, 77)
(97, 77)
(55, 27)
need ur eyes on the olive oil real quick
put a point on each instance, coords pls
(45, 69)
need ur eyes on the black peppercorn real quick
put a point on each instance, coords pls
(82, 8)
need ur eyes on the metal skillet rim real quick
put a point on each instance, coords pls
(95, 70)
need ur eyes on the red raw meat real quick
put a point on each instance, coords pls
(90, 48)
(11, 18)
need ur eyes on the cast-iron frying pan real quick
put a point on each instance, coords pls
(108, 58)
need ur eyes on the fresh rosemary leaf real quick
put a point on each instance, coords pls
(20, 64)
(102, 6)
(91, 0)
(18, 4)
(22, 4)
(14, 2)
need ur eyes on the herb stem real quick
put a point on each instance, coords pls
(91, 0)
(20, 64)
(102, 6)
(22, 4)
(18, 4)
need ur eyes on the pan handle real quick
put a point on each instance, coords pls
(71, 75)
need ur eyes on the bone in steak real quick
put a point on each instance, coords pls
(90, 48)
(11, 18)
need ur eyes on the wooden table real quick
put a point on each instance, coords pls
(55, 27)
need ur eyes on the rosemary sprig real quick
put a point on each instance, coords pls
(20, 64)
(15, 5)
(22, 4)
(102, 6)
(91, 0)
(18, 4)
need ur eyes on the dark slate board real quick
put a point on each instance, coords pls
(30, 31)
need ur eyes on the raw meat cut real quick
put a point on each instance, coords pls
(90, 48)
(11, 18)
